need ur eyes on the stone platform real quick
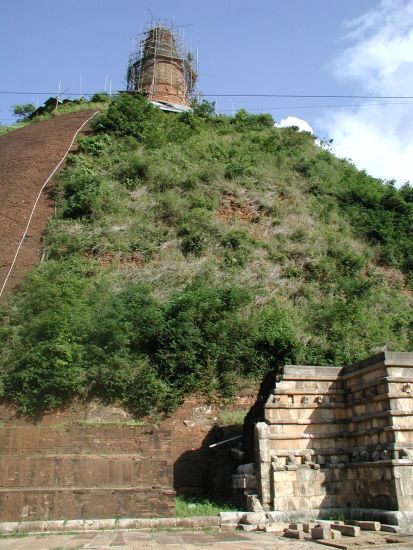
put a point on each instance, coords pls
(339, 442)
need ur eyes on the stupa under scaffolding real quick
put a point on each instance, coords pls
(162, 68)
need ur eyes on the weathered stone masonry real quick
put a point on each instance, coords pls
(340, 439)
(82, 472)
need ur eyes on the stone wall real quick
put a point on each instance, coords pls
(340, 440)
(77, 471)
(89, 460)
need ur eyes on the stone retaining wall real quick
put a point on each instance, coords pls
(79, 471)
(340, 438)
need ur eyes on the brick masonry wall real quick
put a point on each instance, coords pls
(84, 462)
(80, 471)
(199, 470)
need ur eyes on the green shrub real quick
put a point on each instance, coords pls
(80, 194)
(204, 109)
(94, 145)
(238, 167)
(127, 115)
(132, 171)
(237, 246)
(100, 97)
(275, 340)
(171, 207)
(49, 374)
(202, 200)
(192, 243)
(246, 121)
(52, 317)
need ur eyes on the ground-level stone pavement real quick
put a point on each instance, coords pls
(164, 540)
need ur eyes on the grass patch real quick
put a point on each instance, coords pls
(5, 129)
(192, 506)
(97, 422)
(231, 418)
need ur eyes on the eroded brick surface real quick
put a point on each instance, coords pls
(74, 471)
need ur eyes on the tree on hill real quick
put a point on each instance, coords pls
(23, 110)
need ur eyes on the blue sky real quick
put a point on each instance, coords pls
(267, 46)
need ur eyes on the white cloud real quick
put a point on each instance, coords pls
(301, 124)
(379, 62)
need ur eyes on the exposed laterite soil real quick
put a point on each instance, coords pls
(27, 157)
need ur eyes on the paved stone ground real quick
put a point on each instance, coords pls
(167, 540)
(156, 540)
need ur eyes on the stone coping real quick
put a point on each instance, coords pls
(386, 358)
(199, 522)
(296, 372)
(194, 522)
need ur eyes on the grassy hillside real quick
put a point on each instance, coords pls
(191, 250)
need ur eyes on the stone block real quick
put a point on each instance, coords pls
(390, 528)
(285, 489)
(230, 517)
(368, 525)
(320, 532)
(347, 530)
(307, 527)
(75, 525)
(31, 526)
(253, 518)
(307, 475)
(335, 534)
(9, 526)
(146, 523)
(293, 534)
(245, 527)
(304, 489)
(276, 517)
(296, 526)
(185, 522)
(126, 523)
(254, 504)
(96, 524)
(281, 476)
(243, 481)
(202, 521)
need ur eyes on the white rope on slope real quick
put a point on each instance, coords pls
(38, 198)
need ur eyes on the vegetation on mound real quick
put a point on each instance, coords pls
(191, 250)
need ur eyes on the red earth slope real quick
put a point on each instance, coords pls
(27, 157)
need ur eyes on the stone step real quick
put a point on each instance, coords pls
(48, 503)
(75, 439)
(84, 470)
